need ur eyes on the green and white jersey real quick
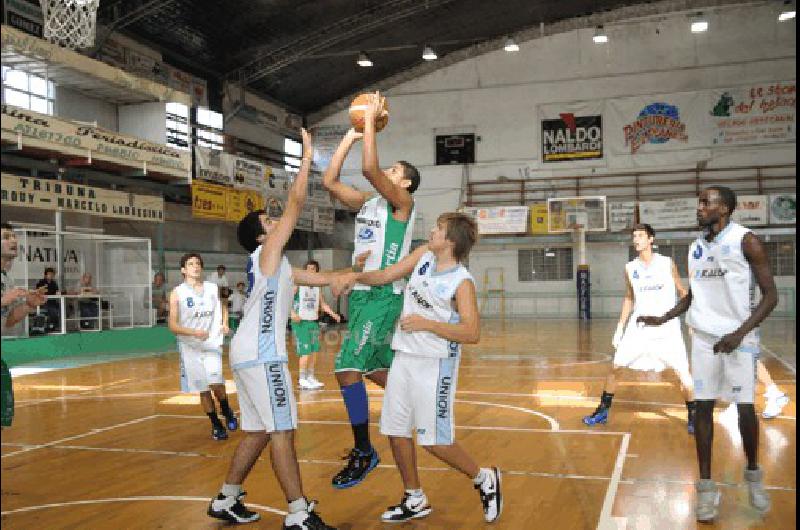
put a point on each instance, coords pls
(306, 302)
(387, 239)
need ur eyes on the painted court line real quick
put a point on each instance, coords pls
(781, 360)
(77, 436)
(131, 499)
(606, 522)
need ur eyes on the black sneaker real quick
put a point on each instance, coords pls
(219, 433)
(491, 496)
(415, 507)
(306, 520)
(358, 465)
(231, 509)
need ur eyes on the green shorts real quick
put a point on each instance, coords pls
(306, 337)
(367, 347)
(7, 392)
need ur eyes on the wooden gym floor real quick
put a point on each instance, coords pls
(116, 445)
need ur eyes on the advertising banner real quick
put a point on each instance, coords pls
(248, 173)
(242, 202)
(500, 219)
(539, 218)
(672, 213)
(755, 114)
(209, 201)
(621, 216)
(30, 192)
(751, 210)
(783, 208)
(571, 132)
(212, 165)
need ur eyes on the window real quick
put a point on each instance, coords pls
(294, 151)
(544, 264)
(679, 252)
(28, 91)
(209, 128)
(178, 125)
(781, 256)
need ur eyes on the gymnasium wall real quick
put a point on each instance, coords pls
(496, 96)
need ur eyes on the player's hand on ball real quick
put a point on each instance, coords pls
(650, 321)
(353, 135)
(375, 107)
(201, 334)
(728, 343)
(414, 323)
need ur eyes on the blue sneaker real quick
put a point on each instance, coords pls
(231, 422)
(358, 465)
(600, 415)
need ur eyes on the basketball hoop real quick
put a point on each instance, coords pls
(70, 23)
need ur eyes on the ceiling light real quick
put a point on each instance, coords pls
(364, 60)
(787, 13)
(510, 45)
(428, 54)
(600, 36)
(699, 23)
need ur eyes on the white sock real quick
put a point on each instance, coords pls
(231, 490)
(415, 493)
(310, 373)
(298, 505)
(303, 375)
(482, 475)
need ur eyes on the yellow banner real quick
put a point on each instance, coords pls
(209, 201)
(30, 192)
(242, 202)
(539, 218)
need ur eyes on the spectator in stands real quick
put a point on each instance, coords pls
(89, 309)
(237, 305)
(219, 278)
(160, 298)
(16, 304)
(49, 287)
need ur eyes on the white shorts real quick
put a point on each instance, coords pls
(727, 376)
(420, 394)
(652, 348)
(266, 400)
(200, 368)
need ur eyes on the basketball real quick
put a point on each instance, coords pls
(357, 108)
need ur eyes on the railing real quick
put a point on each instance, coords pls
(604, 304)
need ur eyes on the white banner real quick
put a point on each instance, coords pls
(500, 219)
(30, 192)
(755, 114)
(248, 173)
(212, 165)
(751, 210)
(621, 215)
(315, 216)
(783, 208)
(326, 140)
(672, 213)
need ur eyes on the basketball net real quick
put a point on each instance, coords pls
(70, 23)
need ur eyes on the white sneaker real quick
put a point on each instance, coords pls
(759, 498)
(315, 383)
(491, 495)
(774, 405)
(708, 496)
(411, 507)
(305, 384)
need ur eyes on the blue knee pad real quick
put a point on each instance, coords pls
(355, 400)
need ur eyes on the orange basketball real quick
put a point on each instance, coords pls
(357, 108)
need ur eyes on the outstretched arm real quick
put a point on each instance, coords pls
(466, 331)
(399, 270)
(272, 249)
(395, 194)
(755, 253)
(347, 195)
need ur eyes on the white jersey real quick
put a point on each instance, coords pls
(261, 335)
(308, 300)
(200, 311)
(378, 232)
(723, 290)
(430, 294)
(654, 290)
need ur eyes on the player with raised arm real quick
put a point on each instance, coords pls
(199, 321)
(651, 284)
(725, 337)
(259, 361)
(440, 313)
(383, 228)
